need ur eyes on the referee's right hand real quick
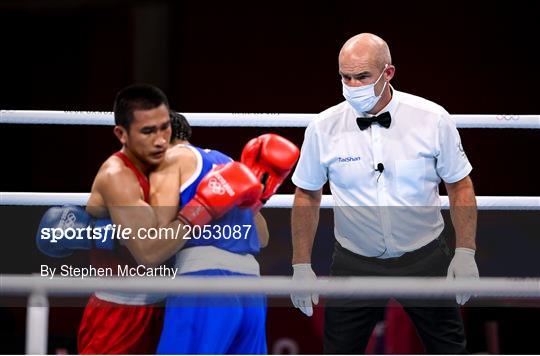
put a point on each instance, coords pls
(303, 271)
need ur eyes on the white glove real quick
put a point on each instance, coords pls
(303, 271)
(463, 265)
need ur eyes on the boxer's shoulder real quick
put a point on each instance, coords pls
(114, 168)
(181, 156)
(180, 151)
(114, 176)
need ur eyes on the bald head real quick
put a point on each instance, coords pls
(365, 49)
(365, 60)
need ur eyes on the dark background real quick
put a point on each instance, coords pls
(470, 57)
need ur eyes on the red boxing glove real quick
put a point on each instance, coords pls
(223, 188)
(270, 157)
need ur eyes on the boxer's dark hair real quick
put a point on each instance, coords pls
(136, 97)
(181, 130)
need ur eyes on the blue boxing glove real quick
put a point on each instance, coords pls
(67, 228)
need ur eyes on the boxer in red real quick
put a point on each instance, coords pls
(114, 323)
(127, 323)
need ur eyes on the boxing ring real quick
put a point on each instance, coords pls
(39, 288)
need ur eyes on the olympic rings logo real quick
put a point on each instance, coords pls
(91, 113)
(507, 117)
(6, 112)
(216, 187)
(69, 220)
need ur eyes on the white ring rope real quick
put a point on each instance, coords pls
(277, 201)
(245, 119)
(366, 287)
(362, 287)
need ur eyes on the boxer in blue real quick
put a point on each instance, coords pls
(232, 324)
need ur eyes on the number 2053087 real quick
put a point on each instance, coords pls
(216, 232)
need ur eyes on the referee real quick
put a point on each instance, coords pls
(384, 153)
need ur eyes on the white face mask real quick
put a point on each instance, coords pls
(363, 98)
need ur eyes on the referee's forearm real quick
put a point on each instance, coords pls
(464, 214)
(304, 221)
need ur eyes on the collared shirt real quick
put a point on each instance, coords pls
(384, 214)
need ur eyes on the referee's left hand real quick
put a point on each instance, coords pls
(463, 265)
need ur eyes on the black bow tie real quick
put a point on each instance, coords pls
(383, 119)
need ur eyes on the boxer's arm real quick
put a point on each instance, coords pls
(165, 190)
(122, 196)
(262, 229)
(180, 163)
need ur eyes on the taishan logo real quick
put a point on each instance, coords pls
(348, 159)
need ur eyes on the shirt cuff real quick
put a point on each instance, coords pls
(300, 183)
(459, 176)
